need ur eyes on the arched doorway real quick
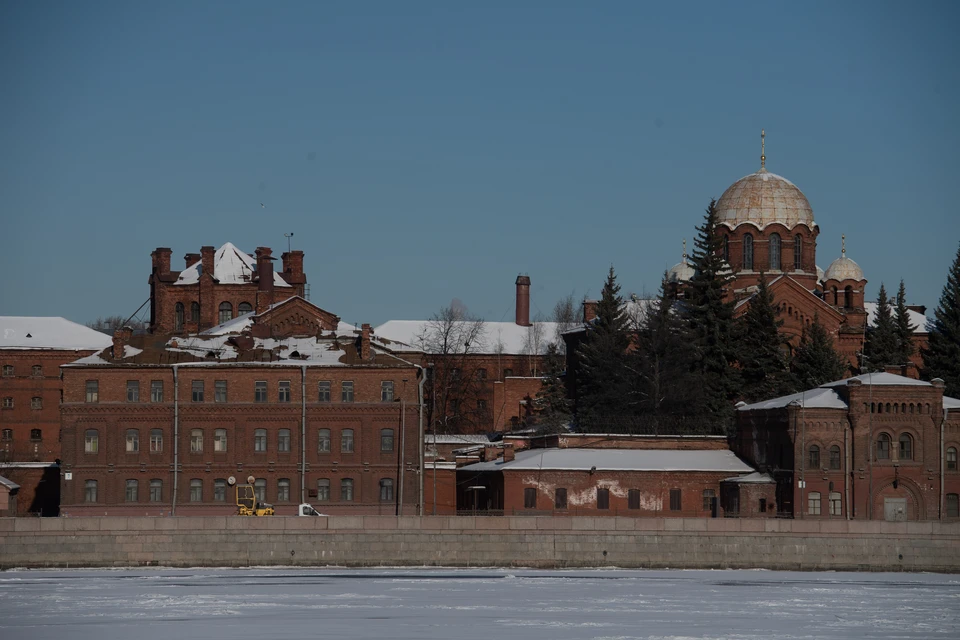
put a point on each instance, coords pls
(898, 500)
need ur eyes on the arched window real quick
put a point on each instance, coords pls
(91, 441)
(848, 297)
(323, 489)
(90, 491)
(132, 492)
(814, 457)
(797, 252)
(834, 457)
(196, 490)
(178, 317)
(156, 440)
(775, 252)
(836, 300)
(386, 439)
(133, 441)
(726, 249)
(906, 447)
(283, 490)
(346, 490)
(226, 312)
(260, 440)
(323, 441)
(244, 307)
(951, 459)
(194, 312)
(260, 489)
(156, 490)
(883, 447)
(386, 490)
(748, 252)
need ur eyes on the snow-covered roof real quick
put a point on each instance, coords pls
(455, 439)
(950, 403)
(753, 478)
(27, 332)
(826, 397)
(618, 460)
(9, 484)
(917, 319)
(497, 337)
(230, 266)
(880, 379)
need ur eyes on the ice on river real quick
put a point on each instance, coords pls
(463, 604)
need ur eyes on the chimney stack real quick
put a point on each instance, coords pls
(509, 455)
(365, 352)
(264, 278)
(206, 259)
(523, 301)
(293, 270)
(120, 338)
(161, 259)
(190, 259)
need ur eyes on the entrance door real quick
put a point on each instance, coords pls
(895, 509)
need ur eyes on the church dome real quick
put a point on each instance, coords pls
(681, 272)
(764, 198)
(843, 268)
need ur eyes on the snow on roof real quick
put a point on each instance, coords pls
(455, 439)
(618, 460)
(826, 397)
(917, 319)
(9, 484)
(752, 478)
(230, 266)
(880, 379)
(26, 332)
(950, 403)
(497, 337)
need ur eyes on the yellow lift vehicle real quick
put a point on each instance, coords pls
(247, 504)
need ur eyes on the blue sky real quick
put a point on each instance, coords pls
(424, 151)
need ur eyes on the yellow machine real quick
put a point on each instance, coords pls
(247, 504)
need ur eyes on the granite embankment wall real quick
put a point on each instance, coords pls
(361, 541)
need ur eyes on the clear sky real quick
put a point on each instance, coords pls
(424, 151)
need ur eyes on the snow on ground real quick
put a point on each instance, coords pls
(464, 604)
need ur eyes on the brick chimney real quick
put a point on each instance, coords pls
(523, 301)
(293, 270)
(509, 454)
(206, 259)
(589, 310)
(264, 278)
(190, 259)
(120, 338)
(365, 352)
(161, 259)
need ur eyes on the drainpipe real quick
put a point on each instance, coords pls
(176, 439)
(422, 373)
(303, 433)
(402, 462)
(943, 423)
(846, 469)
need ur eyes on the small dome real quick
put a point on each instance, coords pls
(681, 272)
(764, 198)
(843, 268)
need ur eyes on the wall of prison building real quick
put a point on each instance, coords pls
(548, 542)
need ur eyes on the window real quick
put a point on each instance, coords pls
(260, 489)
(7, 402)
(36, 402)
(836, 301)
(323, 389)
(243, 308)
(953, 505)
(481, 374)
(7, 370)
(762, 507)
(560, 499)
(848, 297)
(346, 441)
(36, 435)
(455, 373)
(675, 502)
(37, 371)
(507, 373)
(7, 435)
(951, 459)
(196, 389)
(813, 503)
(226, 312)
(346, 391)
(775, 252)
(386, 391)
(133, 441)
(284, 391)
(220, 441)
(834, 458)
(529, 498)
(283, 440)
(709, 495)
(196, 441)
(323, 490)
(93, 391)
(883, 447)
(323, 441)
(133, 391)
(906, 447)
(386, 490)
(220, 391)
(797, 252)
(156, 490)
(633, 499)
(748, 252)
(194, 312)
(346, 490)
(726, 249)
(132, 492)
(156, 440)
(219, 490)
(196, 490)
(835, 502)
(156, 391)
(603, 498)
(178, 317)
(283, 490)
(813, 460)
(260, 391)
(90, 491)
(386, 439)
(260, 440)
(91, 441)
(481, 405)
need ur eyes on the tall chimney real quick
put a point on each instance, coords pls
(161, 259)
(190, 259)
(523, 301)
(120, 339)
(206, 259)
(365, 342)
(293, 270)
(264, 278)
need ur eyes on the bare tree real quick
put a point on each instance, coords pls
(566, 318)
(534, 345)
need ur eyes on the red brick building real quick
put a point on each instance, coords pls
(313, 409)
(876, 446)
(31, 352)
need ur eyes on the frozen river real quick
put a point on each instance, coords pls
(452, 604)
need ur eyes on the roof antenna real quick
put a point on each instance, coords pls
(763, 157)
(288, 236)
(843, 246)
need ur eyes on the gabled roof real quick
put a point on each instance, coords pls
(826, 395)
(240, 323)
(618, 460)
(230, 266)
(778, 284)
(26, 332)
(497, 337)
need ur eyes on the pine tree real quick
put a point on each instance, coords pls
(881, 346)
(941, 358)
(605, 381)
(815, 361)
(763, 364)
(711, 322)
(904, 329)
(551, 400)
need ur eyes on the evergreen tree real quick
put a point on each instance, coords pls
(711, 323)
(816, 362)
(941, 358)
(760, 352)
(904, 328)
(605, 382)
(881, 347)
(551, 400)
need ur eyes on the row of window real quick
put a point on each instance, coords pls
(833, 498)
(603, 498)
(898, 408)
(260, 391)
(36, 402)
(884, 446)
(156, 493)
(775, 243)
(36, 371)
(36, 435)
(91, 440)
(225, 312)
